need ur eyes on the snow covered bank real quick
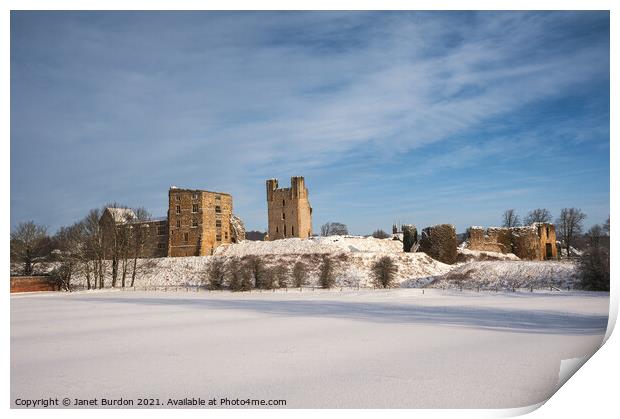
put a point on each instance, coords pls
(312, 245)
(467, 255)
(354, 257)
(352, 268)
(510, 274)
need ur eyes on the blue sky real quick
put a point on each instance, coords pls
(416, 117)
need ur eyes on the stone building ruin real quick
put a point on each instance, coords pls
(409, 238)
(289, 213)
(439, 242)
(198, 221)
(153, 233)
(535, 242)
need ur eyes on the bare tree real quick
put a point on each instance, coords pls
(30, 245)
(384, 272)
(118, 245)
(539, 215)
(327, 275)
(69, 252)
(606, 226)
(279, 274)
(239, 278)
(94, 249)
(510, 219)
(594, 266)
(216, 274)
(300, 272)
(380, 234)
(334, 229)
(255, 266)
(138, 236)
(569, 225)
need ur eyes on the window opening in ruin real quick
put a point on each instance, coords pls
(178, 223)
(283, 216)
(276, 229)
(549, 251)
(218, 209)
(218, 238)
(547, 231)
(186, 237)
(283, 203)
(284, 230)
(195, 196)
(194, 207)
(292, 231)
(161, 230)
(218, 223)
(218, 197)
(194, 223)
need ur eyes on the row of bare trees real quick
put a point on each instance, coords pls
(250, 272)
(539, 215)
(83, 249)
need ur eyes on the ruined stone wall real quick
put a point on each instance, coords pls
(153, 236)
(237, 229)
(525, 243)
(289, 213)
(439, 242)
(479, 239)
(501, 236)
(529, 242)
(547, 241)
(198, 221)
(410, 238)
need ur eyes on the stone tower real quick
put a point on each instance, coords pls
(288, 210)
(198, 221)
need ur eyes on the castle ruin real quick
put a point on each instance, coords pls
(535, 242)
(439, 242)
(198, 221)
(289, 212)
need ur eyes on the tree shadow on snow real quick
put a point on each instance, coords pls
(508, 320)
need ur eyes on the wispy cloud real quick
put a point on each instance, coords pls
(138, 101)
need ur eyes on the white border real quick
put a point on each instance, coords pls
(591, 393)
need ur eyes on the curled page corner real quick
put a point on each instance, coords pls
(570, 366)
(519, 411)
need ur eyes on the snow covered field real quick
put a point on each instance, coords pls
(394, 348)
